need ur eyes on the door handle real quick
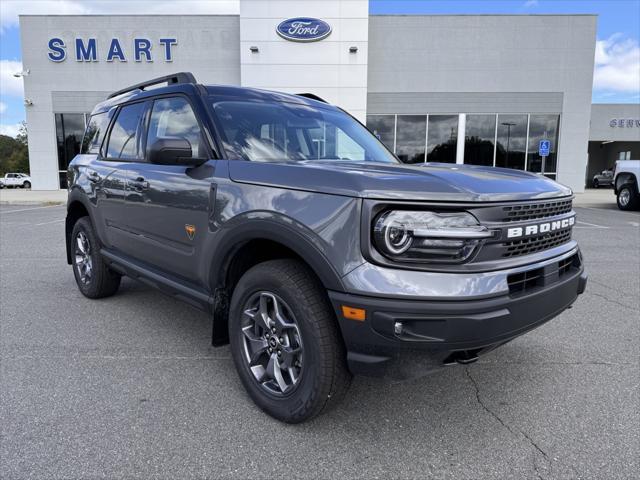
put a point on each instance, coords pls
(94, 177)
(139, 183)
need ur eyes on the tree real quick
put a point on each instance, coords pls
(14, 152)
(22, 135)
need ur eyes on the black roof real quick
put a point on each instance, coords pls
(184, 82)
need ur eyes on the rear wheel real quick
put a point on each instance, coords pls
(285, 342)
(627, 197)
(93, 277)
(596, 184)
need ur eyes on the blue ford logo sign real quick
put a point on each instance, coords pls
(303, 29)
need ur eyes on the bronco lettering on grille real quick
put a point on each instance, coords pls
(529, 230)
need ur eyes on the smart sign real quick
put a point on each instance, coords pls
(89, 50)
(303, 29)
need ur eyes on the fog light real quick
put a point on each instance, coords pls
(397, 328)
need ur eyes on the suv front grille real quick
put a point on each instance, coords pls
(531, 280)
(525, 246)
(533, 211)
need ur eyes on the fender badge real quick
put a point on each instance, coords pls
(191, 231)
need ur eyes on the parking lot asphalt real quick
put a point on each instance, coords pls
(130, 386)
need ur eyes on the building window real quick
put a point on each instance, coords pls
(69, 131)
(410, 138)
(542, 127)
(512, 141)
(479, 140)
(442, 138)
(383, 127)
(624, 155)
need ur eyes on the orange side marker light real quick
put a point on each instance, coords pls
(353, 313)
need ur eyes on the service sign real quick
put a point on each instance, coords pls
(303, 29)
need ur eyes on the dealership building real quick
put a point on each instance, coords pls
(474, 89)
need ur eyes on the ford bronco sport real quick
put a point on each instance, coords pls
(316, 252)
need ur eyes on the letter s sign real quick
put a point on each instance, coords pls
(57, 52)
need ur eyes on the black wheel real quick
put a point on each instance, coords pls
(26, 185)
(596, 184)
(285, 341)
(94, 278)
(627, 197)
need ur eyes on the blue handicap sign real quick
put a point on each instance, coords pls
(544, 148)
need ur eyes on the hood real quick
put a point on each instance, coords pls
(384, 181)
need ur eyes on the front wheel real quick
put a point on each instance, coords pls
(93, 276)
(627, 197)
(285, 341)
(596, 184)
(26, 185)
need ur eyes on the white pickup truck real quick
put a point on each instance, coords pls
(15, 180)
(625, 184)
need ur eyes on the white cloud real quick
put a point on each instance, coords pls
(530, 3)
(10, 9)
(617, 64)
(10, 130)
(10, 85)
(3, 107)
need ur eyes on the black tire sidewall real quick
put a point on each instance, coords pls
(104, 282)
(297, 405)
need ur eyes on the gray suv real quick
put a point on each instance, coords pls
(317, 253)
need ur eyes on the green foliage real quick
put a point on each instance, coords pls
(14, 155)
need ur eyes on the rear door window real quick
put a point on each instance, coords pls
(126, 133)
(95, 132)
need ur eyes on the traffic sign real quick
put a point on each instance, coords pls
(544, 148)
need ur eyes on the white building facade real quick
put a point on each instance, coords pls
(478, 89)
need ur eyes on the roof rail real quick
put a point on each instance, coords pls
(312, 96)
(173, 79)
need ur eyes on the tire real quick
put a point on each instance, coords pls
(26, 185)
(596, 184)
(627, 197)
(1, 186)
(309, 382)
(93, 277)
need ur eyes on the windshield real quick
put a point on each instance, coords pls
(268, 132)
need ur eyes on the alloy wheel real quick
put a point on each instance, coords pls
(625, 197)
(272, 343)
(84, 264)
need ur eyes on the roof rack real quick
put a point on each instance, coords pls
(312, 96)
(173, 79)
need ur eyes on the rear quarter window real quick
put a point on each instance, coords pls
(94, 134)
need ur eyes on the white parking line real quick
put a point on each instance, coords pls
(49, 223)
(2, 212)
(591, 225)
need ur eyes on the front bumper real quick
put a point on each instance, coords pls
(405, 338)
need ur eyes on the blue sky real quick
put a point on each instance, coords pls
(616, 77)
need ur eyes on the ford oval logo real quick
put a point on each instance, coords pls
(303, 29)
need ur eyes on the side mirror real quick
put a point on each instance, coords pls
(173, 151)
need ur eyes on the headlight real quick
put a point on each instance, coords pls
(428, 237)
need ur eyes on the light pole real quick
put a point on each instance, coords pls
(508, 125)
